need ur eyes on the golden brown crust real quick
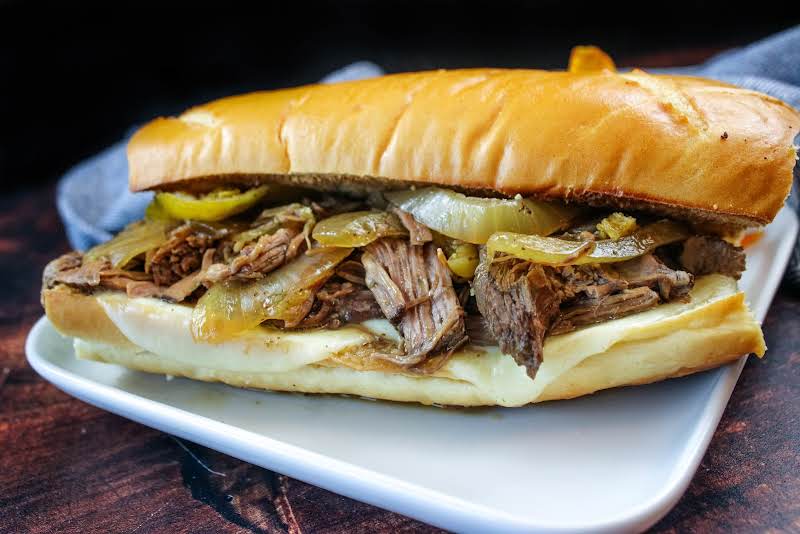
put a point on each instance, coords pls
(76, 314)
(688, 147)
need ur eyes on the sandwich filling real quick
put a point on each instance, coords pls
(446, 269)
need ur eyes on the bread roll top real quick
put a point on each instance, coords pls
(681, 146)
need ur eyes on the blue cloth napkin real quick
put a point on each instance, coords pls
(94, 201)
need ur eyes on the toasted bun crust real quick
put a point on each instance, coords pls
(686, 147)
(672, 340)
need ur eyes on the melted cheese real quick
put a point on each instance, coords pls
(163, 328)
(714, 326)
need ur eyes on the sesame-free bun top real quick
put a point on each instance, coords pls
(686, 147)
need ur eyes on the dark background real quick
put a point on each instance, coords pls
(74, 81)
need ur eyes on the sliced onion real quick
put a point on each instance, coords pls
(136, 239)
(232, 307)
(358, 228)
(639, 243)
(214, 206)
(475, 219)
(538, 249)
(555, 251)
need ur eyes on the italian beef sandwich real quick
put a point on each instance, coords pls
(466, 237)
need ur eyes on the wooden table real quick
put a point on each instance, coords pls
(66, 466)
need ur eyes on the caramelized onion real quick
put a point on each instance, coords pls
(554, 251)
(358, 228)
(214, 206)
(232, 307)
(639, 243)
(135, 239)
(475, 219)
(538, 249)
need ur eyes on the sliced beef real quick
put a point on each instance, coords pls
(648, 271)
(518, 301)
(182, 254)
(414, 290)
(261, 257)
(596, 310)
(418, 234)
(708, 255)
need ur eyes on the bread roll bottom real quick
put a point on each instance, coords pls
(714, 327)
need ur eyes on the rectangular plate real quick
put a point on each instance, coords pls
(618, 460)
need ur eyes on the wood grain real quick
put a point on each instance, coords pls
(69, 467)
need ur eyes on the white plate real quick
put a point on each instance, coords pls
(618, 460)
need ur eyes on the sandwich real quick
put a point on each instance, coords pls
(464, 237)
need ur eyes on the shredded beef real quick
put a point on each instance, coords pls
(387, 293)
(352, 271)
(356, 307)
(339, 303)
(418, 234)
(707, 255)
(414, 290)
(257, 259)
(331, 205)
(180, 290)
(182, 254)
(71, 270)
(595, 281)
(408, 282)
(478, 331)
